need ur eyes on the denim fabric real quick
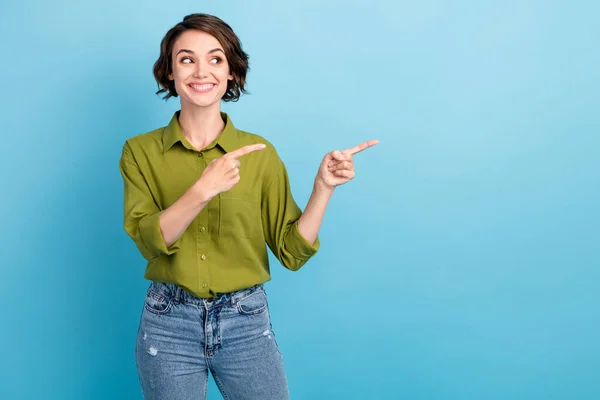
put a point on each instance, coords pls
(182, 337)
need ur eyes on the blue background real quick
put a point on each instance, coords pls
(462, 261)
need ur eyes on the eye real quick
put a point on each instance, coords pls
(185, 60)
(215, 60)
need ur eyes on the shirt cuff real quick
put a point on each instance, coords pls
(152, 237)
(298, 246)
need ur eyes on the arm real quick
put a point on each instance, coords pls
(336, 169)
(281, 217)
(155, 231)
(175, 219)
(309, 223)
(292, 235)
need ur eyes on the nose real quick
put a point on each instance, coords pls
(201, 69)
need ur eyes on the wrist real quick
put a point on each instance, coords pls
(200, 193)
(321, 187)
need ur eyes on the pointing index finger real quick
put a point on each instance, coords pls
(242, 151)
(360, 147)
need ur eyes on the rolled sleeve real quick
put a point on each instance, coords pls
(280, 215)
(152, 238)
(298, 246)
(141, 213)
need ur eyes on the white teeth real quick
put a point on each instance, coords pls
(202, 87)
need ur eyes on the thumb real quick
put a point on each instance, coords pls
(337, 155)
(334, 158)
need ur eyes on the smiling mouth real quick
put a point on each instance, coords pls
(205, 88)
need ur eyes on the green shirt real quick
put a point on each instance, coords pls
(224, 248)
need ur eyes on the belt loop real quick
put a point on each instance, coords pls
(177, 294)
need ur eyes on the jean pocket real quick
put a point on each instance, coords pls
(256, 303)
(157, 303)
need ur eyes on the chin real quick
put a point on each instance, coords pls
(203, 103)
(204, 100)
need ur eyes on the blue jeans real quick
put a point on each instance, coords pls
(182, 337)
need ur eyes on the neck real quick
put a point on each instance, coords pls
(201, 126)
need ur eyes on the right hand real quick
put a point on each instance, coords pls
(223, 173)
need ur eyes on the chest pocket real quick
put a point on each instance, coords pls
(239, 215)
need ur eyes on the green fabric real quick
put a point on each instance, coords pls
(224, 248)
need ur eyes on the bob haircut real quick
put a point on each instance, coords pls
(237, 59)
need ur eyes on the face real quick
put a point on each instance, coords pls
(200, 69)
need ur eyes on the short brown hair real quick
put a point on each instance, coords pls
(236, 57)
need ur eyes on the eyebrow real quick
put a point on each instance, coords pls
(191, 52)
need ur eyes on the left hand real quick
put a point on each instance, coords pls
(337, 167)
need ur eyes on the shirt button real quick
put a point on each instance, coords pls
(202, 229)
(204, 285)
(203, 257)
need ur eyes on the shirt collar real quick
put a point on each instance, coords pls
(227, 139)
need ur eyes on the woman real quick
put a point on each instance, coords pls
(202, 201)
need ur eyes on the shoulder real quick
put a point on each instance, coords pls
(150, 138)
(268, 160)
(144, 143)
(246, 138)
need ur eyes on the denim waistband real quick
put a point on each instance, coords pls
(178, 295)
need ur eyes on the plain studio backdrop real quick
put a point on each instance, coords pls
(462, 262)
